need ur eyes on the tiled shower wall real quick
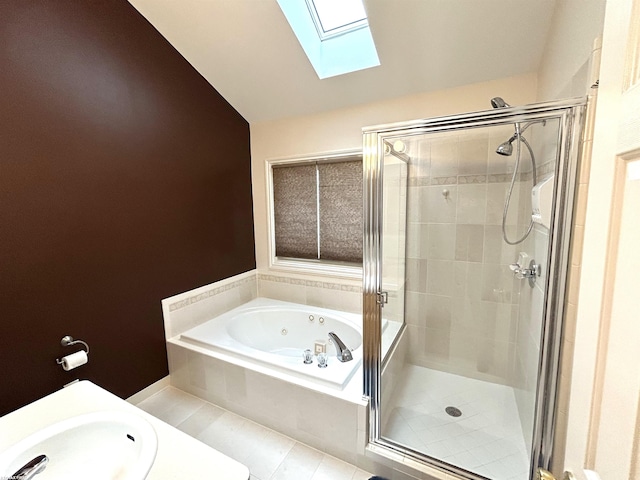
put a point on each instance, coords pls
(531, 298)
(462, 302)
(530, 315)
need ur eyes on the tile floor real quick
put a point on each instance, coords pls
(486, 439)
(268, 454)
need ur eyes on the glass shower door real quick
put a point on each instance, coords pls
(460, 386)
(393, 247)
(394, 238)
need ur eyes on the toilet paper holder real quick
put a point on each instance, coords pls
(68, 341)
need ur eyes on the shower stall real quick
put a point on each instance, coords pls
(467, 225)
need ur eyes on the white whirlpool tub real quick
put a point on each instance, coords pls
(273, 334)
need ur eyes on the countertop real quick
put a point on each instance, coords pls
(179, 456)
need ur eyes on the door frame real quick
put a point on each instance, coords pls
(601, 398)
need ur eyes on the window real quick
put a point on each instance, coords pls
(333, 17)
(334, 34)
(316, 219)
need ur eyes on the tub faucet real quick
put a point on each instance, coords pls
(31, 468)
(342, 352)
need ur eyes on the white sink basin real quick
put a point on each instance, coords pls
(96, 446)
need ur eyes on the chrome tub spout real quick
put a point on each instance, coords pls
(342, 352)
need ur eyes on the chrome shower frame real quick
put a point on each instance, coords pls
(570, 114)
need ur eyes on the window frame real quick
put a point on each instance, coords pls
(343, 29)
(341, 53)
(306, 266)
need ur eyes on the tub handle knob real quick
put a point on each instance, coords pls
(307, 356)
(322, 360)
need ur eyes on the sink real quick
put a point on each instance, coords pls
(102, 445)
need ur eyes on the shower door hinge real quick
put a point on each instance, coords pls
(382, 298)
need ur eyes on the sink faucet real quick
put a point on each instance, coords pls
(342, 352)
(31, 468)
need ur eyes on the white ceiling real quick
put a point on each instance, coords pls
(247, 51)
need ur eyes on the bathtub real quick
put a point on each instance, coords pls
(273, 334)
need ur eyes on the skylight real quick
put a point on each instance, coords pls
(336, 17)
(334, 34)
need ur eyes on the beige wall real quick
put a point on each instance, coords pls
(342, 129)
(565, 62)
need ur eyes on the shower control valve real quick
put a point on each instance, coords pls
(519, 272)
(530, 273)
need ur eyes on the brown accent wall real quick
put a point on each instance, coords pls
(124, 179)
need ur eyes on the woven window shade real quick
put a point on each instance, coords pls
(295, 211)
(341, 211)
(337, 188)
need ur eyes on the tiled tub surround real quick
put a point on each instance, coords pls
(325, 418)
(331, 422)
(187, 310)
(344, 295)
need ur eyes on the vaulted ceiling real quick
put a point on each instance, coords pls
(247, 51)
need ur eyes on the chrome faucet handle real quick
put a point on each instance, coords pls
(518, 271)
(530, 273)
(323, 360)
(307, 356)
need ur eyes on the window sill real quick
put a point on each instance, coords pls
(302, 267)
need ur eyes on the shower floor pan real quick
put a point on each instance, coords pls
(465, 422)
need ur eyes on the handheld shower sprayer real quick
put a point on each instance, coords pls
(506, 149)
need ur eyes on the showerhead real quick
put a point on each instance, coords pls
(498, 102)
(506, 148)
